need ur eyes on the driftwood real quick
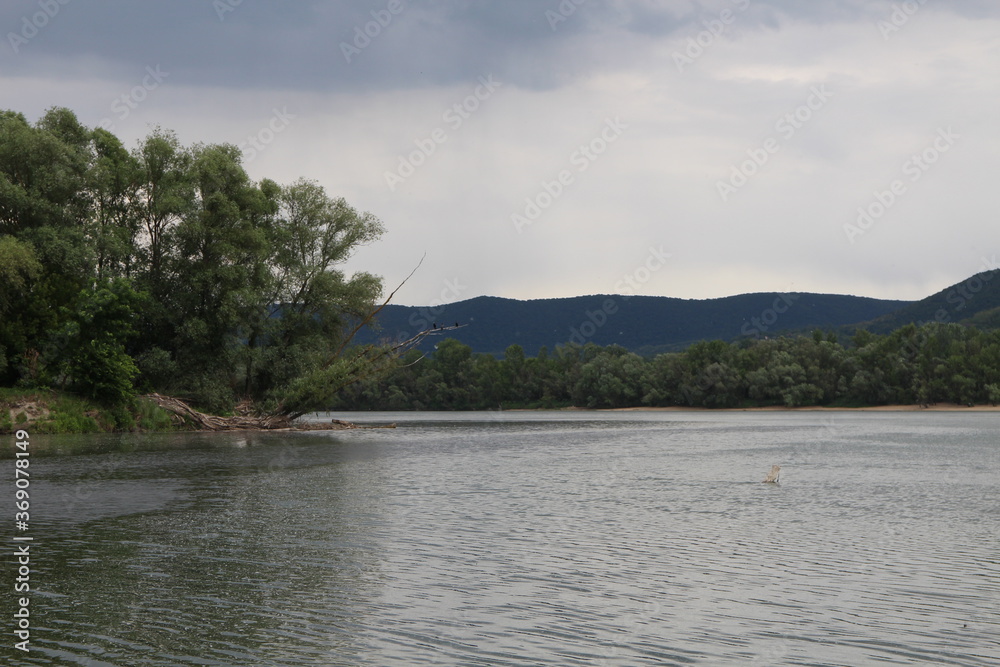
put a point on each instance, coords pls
(239, 422)
(365, 362)
(245, 421)
(772, 477)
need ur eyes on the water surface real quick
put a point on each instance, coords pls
(526, 539)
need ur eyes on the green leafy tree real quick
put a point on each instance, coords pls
(114, 225)
(19, 268)
(89, 354)
(43, 208)
(305, 312)
(612, 379)
(241, 284)
(165, 193)
(221, 260)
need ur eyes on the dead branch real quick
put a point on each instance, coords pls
(216, 423)
(366, 320)
(366, 361)
(207, 422)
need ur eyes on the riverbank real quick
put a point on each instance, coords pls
(936, 407)
(51, 411)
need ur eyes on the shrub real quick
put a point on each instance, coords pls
(151, 417)
(104, 371)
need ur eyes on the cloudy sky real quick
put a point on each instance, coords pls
(547, 148)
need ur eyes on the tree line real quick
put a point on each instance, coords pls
(932, 363)
(165, 267)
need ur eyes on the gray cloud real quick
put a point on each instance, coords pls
(354, 122)
(270, 44)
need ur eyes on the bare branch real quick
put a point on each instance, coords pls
(366, 320)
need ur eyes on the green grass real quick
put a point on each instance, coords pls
(151, 417)
(68, 413)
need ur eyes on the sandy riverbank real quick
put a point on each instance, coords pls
(937, 407)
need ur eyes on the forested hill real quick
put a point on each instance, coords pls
(643, 324)
(974, 301)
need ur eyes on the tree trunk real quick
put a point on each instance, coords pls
(247, 422)
(215, 423)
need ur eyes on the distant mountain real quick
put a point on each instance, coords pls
(974, 301)
(644, 324)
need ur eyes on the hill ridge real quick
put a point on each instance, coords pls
(650, 324)
(956, 303)
(642, 323)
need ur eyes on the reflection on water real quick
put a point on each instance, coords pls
(532, 539)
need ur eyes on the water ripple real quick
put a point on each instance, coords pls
(572, 541)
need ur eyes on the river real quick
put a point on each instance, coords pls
(522, 538)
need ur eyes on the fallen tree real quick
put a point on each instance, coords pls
(313, 391)
(187, 415)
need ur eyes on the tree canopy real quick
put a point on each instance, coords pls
(932, 363)
(166, 267)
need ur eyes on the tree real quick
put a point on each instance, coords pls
(42, 171)
(304, 313)
(43, 207)
(114, 226)
(234, 289)
(19, 268)
(90, 352)
(164, 194)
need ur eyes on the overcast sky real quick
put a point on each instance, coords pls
(538, 148)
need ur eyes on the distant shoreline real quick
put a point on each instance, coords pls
(938, 407)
